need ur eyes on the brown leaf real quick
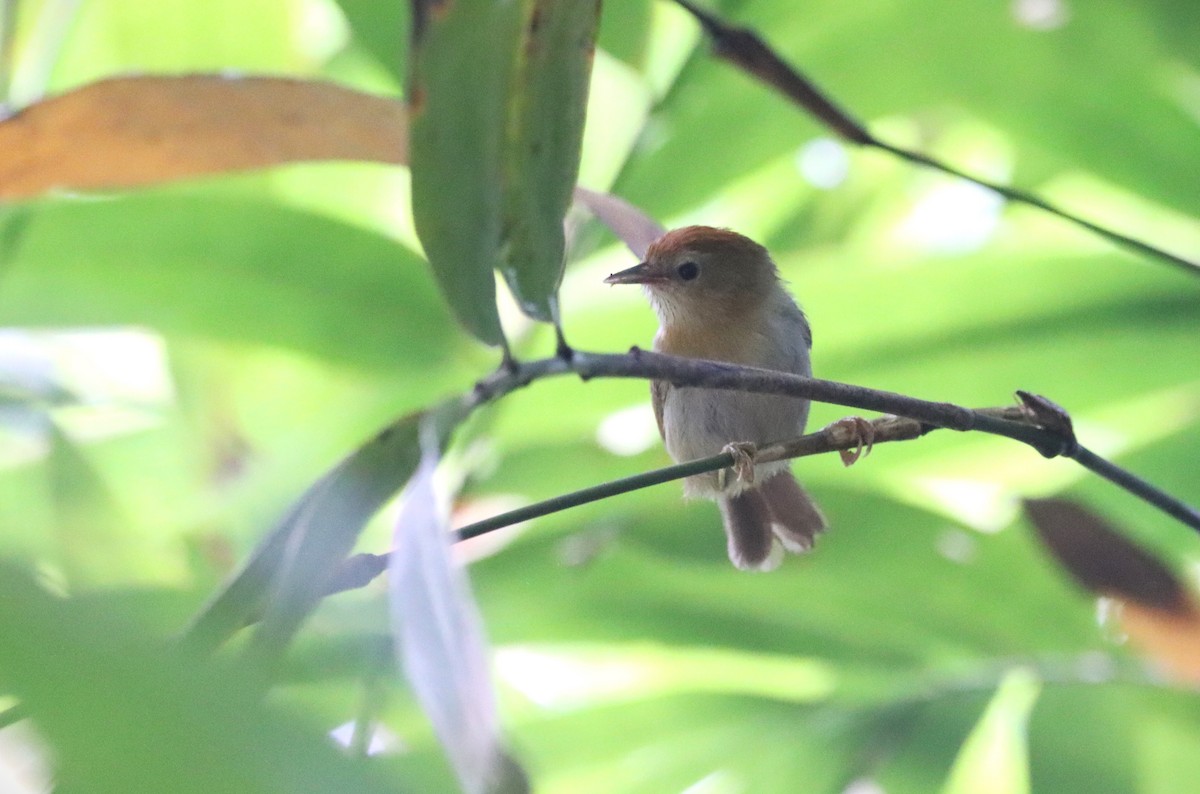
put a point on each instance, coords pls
(1103, 560)
(1156, 609)
(1172, 639)
(132, 131)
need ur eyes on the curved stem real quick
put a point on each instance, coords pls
(747, 51)
(910, 418)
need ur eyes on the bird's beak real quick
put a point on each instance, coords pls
(638, 274)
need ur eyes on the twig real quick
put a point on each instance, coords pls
(238, 603)
(359, 570)
(1037, 422)
(746, 50)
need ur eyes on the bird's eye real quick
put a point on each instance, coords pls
(688, 271)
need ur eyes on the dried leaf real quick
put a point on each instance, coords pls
(1172, 639)
(132, 131)
(1156, 610)
(439, 636)
(1103, 560)
(631, 226)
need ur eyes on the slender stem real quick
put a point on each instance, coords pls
(744, 49)
(1019, 196)
(1137, 486)
(831, 439)
(594, 494)
(910, 418)
(1013, 422)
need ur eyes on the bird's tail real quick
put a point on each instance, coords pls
(752, 546)
(795, 518)
(777, 509)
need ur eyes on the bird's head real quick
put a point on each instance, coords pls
(702, 274)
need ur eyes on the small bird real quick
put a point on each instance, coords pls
(718, 296)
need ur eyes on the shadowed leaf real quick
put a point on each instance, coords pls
(1103, 560)
(291, 569)
(1156, 611)
(545, 134)
(208, 730)
(460, 72)
(147, 130)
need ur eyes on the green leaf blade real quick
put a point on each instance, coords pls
(547, 110)
(460, 68)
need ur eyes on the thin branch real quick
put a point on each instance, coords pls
(1180, 511)
(1038, 422)
(1050, 434)
(358, 571)
(746, 50)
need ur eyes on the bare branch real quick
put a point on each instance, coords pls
(1038, 422)
(747, 51)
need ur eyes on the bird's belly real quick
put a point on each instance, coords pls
(701, 422)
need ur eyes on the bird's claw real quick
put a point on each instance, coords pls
(861, 435)
(743, 453)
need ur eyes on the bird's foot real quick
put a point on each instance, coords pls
(743, 453)
(860, 435)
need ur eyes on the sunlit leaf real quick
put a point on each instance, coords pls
(994, 758)
(151, 129)
(545, 133)
(195, 262)
(90, 526)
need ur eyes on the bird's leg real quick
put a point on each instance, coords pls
(562, 349)
(743, 453)
(861, 435)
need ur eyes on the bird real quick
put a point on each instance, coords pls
(718, 296)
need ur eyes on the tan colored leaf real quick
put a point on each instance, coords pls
(1171, 639)
(132, 131)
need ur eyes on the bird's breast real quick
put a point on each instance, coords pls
(698, 422)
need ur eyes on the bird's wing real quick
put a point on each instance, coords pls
(658, 396)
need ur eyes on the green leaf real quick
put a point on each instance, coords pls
(196, 261)
(324, 525)
(460, 71)
(285, 576)
(147, 717)
(994, 758)
(545, 133)
(382, 30)
(90, 526)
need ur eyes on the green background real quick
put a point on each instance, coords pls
(287, 315)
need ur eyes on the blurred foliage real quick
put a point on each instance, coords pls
(178, 364)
